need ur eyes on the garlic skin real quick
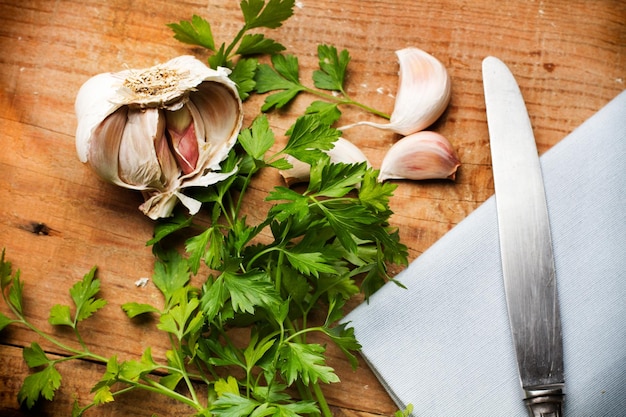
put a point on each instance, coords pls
(420, 156)
(159, 130)
(423, 94)
(344, 151)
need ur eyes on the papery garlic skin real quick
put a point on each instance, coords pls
(344, 151)
(420, 156)
(423, 94)
(159, 130)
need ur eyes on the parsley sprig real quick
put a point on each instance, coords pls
(257, 14)
(284, 76)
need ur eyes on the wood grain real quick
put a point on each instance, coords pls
(57, 219)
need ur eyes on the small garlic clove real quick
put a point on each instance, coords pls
(299, 171)
(344, 151)
(182, 133)
(159, 130)
(423, 94)
(420, 156)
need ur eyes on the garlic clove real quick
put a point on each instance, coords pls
(106, 138)
(299, 171)
(422, 155)
(344, 151)
(423, 94)
(159, 130)
(219, 123)
(94, 103)
(137, 156)
(184, 139)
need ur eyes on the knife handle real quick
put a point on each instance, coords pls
(547, 402)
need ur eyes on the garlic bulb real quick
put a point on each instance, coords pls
(422, 155)
(344, 151)
(159, 130)
(423, 93)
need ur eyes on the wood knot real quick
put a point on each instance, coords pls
(37, 228)
(549, 66)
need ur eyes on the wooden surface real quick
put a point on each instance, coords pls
(568, 56)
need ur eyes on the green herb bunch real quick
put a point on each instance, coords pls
(285, 280)
(323, 241)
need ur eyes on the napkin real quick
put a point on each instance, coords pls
(444, 345)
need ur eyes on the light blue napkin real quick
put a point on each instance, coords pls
(444, 344)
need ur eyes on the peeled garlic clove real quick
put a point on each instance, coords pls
(420, 156)
(159, 130)
(344, 151)
(423, 93)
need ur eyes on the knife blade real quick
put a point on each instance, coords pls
(525, 243)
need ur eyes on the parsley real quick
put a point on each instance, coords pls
(283, 76)
(326, 243)
(256, 14)
(323, 240)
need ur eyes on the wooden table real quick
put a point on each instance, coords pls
(57, 219)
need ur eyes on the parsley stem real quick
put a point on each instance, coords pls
(237, 38)
(345, 100)
(85, 353)
(321, 399)
(153, 386)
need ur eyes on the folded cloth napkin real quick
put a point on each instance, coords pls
(444, 345)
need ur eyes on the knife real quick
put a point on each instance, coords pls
(525, 243)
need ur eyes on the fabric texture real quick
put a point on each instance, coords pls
(444, 345)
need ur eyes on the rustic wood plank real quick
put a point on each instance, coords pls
(57, 220)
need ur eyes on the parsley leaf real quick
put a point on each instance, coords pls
(333, 66)
(258, 138)
(15, 288)
(328, 112)
(4, 321)
(271, 15)
(297, 409)
(309, 137)
(306, 362)
(335, 180)
(60, 315)
(243, 75)
(250, 290)
(34, 356)
(182, 319)
(168, 226)
(171, 273)
(83, 294)
(197, 32)
(229, 385)
(39, 384)
(343, 336)
(375, 194)
(283, 76)
(136, 309)
(253, 44)
(234, 405)
(103, 395)
(310, 263)
(208, 245)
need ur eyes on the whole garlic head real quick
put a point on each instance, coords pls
(423, 94)
(159, 130)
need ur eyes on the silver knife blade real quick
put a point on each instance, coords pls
(525, 243)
